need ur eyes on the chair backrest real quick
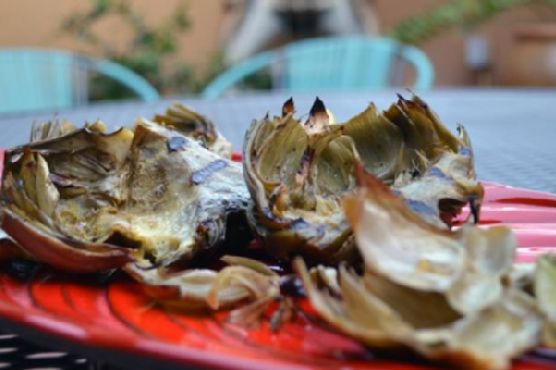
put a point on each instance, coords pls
(32, 79)
(331, 63)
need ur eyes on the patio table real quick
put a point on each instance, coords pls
(512, 131)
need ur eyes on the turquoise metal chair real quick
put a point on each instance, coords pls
(331, 64)
(32, 79)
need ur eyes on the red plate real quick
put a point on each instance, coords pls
(115, 317)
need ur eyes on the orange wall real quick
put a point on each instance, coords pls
(447, 50)
(36, 23)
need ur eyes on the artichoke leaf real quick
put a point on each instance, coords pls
(465, 264)
(242, 280)
(189, 123)
(408, 148)
(360, 315)
(545, 293)
(380, 313)
(379, 143)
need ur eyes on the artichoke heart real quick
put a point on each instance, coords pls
(150, 195)
(297, 172)
(441, 293)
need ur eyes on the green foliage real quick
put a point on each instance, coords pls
(150, 52)
(464, 13)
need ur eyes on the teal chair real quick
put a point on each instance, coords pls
(331, 64)
(33, 79)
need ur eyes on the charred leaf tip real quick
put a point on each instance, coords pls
(318, 107)
(288, 106)
(475, 208)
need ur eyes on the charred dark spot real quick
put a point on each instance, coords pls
(121, 240)
(201, 175)
(291, 286)
(318, 107)
(149, 256)
(288, 107)
(449, 209)
(22, 270)
(204, 230)
(475, 207)
(238, 233)
(402, 100)
(306, 160)
(176, 143)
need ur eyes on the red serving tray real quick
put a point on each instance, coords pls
(114, 318)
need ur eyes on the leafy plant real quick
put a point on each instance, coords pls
(465, 13)
(150, 52)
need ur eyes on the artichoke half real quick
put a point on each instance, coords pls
(408, 148)
(149, 195)
(297, 172)
(46, 207)
(153, 192)
(443, 294)
(149, 200)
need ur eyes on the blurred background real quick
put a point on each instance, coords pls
(180, 47)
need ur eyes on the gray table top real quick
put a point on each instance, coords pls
(513, 131)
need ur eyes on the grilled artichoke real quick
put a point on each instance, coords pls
(296, 173)
(409, 149)
(438, 292)
(98, 201)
